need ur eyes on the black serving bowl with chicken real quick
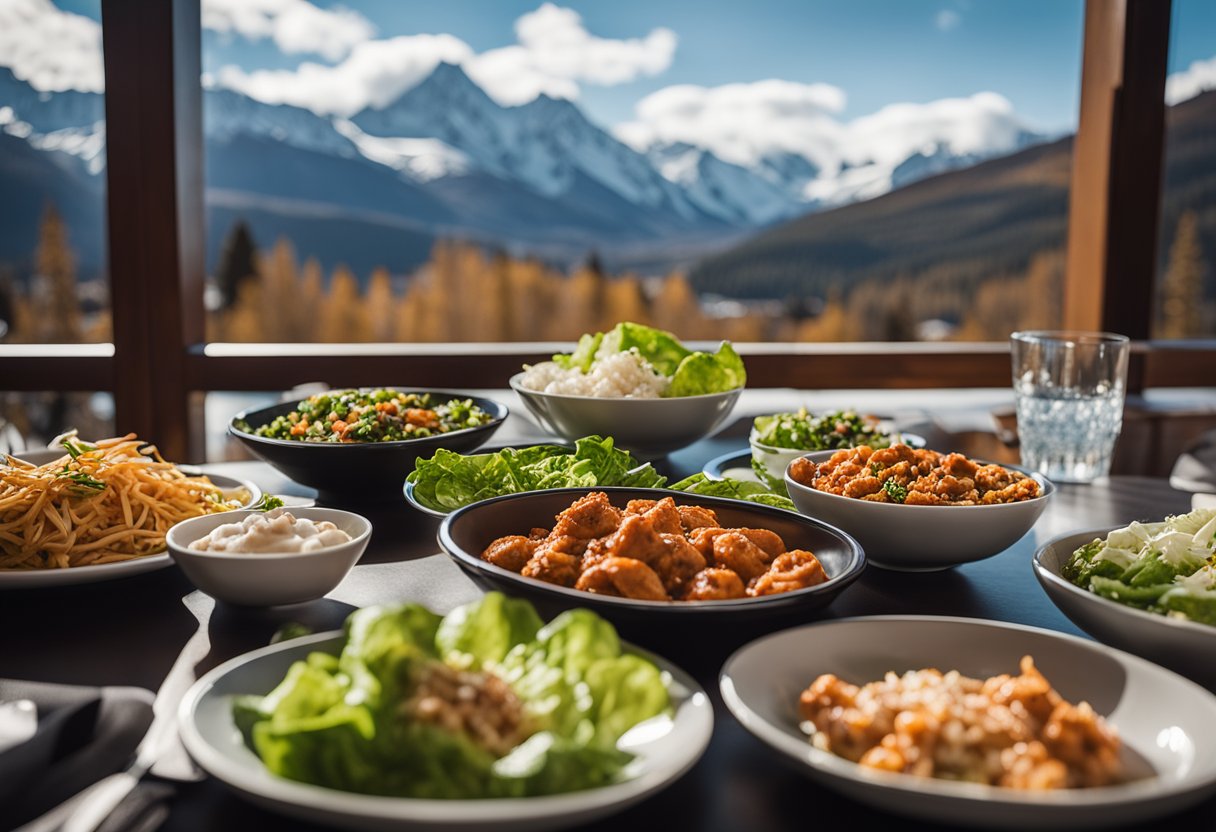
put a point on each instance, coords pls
(637, 555)
(348, 467)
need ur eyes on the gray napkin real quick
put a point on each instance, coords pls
(84, 734)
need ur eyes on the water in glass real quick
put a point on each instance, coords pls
(1066, 435)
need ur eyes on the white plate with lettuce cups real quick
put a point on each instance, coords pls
(637, 384)
(1147, 588)
(355, 729)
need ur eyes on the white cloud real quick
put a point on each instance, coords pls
(742, 123)
(296, 26)
(54, 50)
(747, 123)
(947, 19)
(554, 55)
(560, 46)
(375, 73)
(50, 49)
(980, 123)
(1198, 77)
(510, 76)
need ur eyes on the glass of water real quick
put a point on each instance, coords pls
(1069, 390)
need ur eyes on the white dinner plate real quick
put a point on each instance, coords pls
(665, 747)
(1184, 646)
(1165, 721)
(16, 579)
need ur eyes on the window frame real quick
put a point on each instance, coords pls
(156, 263)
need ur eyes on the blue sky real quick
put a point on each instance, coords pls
(876, 52)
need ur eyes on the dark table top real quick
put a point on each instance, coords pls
(129, 632)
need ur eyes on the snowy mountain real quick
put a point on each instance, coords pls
(547, 144)
(228, 114)
(444, 159)
(735, 194)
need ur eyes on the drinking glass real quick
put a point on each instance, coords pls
(1069, 390)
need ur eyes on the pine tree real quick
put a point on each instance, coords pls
(378, 306)
(55, 307)
(280, 281)
(342, 318)
(238, 263)
(1182, 287)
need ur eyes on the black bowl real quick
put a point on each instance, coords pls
(349, 471)
(466, 532)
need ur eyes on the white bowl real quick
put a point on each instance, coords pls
(1184, 646)
(268, 579)
(1164, 720)
(648, 428)
(922, 538)
(775, 460)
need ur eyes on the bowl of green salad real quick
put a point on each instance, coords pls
(1147, 588)
(360, 443)
(640, 385)
(778, 439)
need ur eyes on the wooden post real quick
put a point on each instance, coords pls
(154, 164)
(1115, 199)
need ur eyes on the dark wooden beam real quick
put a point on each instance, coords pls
(1115, 197)
(154, 157)
(1137, 153)
(807, 366)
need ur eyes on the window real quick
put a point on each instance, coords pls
(529, 172)
(1186, 282)
(54, 287)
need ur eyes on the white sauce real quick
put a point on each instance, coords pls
(277, 530)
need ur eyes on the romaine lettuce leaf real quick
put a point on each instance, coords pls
(449, 480)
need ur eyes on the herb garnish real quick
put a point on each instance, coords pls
(82, 479)
(75, 449)
(895, 491)
(268, 502)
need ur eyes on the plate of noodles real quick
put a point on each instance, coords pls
(94, 511)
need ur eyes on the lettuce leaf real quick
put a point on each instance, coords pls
(702, 373)
(734, 489)
(449, 480)
(662, 349)
(584, 353)
(338, 722)
(484, 632)
(691, 373)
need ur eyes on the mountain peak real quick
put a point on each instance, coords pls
(445, 79)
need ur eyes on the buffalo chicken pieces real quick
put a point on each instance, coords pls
(655, 550)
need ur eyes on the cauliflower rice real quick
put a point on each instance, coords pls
(620, 375)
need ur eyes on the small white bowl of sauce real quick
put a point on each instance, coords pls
(265, 559)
